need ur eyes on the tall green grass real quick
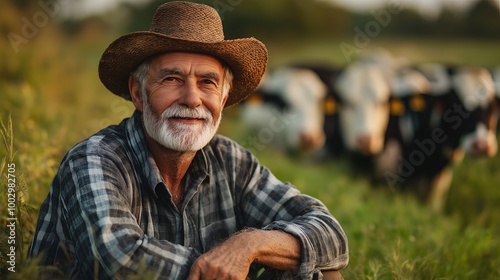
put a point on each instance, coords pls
(15, 192)
(53, 98)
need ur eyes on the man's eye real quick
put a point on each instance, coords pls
(208, 82)
(169, 79)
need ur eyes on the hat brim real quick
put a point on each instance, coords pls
(246, 57)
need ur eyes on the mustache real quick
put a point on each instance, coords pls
(177, 111)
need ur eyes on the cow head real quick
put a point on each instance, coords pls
(364, 91)
(409, 108)
(297, 96)
(304, 92)
(475, 89)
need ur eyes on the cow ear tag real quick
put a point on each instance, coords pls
(397, 107)
(329, 106)
(417, 103)
(255, 99)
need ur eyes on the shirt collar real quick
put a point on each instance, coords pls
(145, 163)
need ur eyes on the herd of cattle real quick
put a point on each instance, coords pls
(405, 124)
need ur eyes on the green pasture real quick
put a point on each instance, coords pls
(52, 98)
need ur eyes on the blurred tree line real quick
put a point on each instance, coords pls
(313, 19)
(276, 19)
(316, 19)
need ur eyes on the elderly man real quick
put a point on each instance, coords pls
(161, 193)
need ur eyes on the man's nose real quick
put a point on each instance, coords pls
(190, 95)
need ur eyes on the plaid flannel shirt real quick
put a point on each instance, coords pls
(108, 205)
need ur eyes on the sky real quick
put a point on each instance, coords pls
(84, 8)
(428, 8)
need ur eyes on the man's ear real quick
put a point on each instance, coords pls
(135, 92)
(224, 100)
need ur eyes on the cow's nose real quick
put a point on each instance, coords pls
(364, 144)
(482, 148)
(309, 140)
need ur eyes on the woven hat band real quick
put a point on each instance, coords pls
(188, 21)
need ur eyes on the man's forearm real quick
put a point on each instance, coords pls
(232, 258)
(273, 248)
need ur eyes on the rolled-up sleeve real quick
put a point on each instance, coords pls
(271, 204)
(324, 244)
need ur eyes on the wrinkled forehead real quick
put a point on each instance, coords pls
(186, 61)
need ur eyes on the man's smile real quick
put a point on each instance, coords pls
(187, 120)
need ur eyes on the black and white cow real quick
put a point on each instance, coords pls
(364, 93)
(410, 110)
(287, 111)
(370, 91)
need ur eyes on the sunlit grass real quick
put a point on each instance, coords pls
(52, 94)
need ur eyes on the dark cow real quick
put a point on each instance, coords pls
(462, 121)
(410, 110)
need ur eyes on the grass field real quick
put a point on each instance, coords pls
(53, 98)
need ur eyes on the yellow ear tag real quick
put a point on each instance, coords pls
(417, 103)
(397, 107)
(254, 99)
(330, 106)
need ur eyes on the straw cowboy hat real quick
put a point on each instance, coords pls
(184, 27)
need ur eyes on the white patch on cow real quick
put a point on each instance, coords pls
(496, 80)
(364, 91)
(409, 82)
(437, 75)
(378, 56)
(482, 142)
(474, 87)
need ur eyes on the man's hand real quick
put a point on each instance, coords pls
(232, 258)
(222, 262)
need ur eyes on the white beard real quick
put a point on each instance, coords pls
(177, 136)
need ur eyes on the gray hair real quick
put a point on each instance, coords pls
(141, 75)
